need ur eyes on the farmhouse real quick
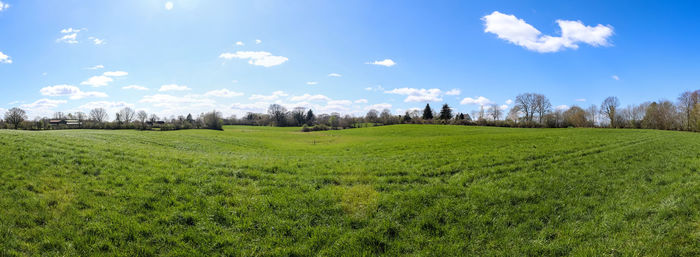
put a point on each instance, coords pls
(66, 122)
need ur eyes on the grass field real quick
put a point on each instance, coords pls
(418, 190)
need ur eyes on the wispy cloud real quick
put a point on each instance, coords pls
(169, 5)
(68, 90)
(615, 77)
(257, 58)
(274, 96)
(96, 67)
(173, 87)
(135, 87)
(223, 93)
(97, 41)
(453, 92)
(385, 62)
(70, 36)
(334, 75)
(311, 83)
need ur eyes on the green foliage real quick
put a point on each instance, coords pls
(403, 190)
(427, 112)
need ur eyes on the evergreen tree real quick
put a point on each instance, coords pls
(406, 117)
(427, 112)
(446, 112)
(310, 117)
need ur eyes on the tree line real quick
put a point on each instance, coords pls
(98, 118)
(529, 110)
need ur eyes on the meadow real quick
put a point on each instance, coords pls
(401, 190)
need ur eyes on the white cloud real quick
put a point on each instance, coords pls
(4, 58)
(339, 102)
(115, 73)
(311, 83)
(259, 58)
(479, 100)
(169, 5)
(503, 107)
(385, 62)
(223, 93)
(43, 104)
(173, 87)
(239, 43)
(275, 95)
(96, 67)
(519, 32)
(453, 92)
(418, 95)
(176, 102)
(377, 88)
(615, 77)
(580, 100)
(509, 101)
(334, 75)
(258, 107)
(110, 106)
(308, 97)
(68, 90)
(258, 41)
(70, 36)
(4, 6)
(97, 41)
(135, 87)
(379, 107)
(97, 81)
(562, 107)
(361, 101)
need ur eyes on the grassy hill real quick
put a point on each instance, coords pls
(394, 190)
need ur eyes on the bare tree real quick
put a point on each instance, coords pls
(686, 103)
(299, 115)
(99, 115)
(495, 112)
(153, 118)
(80, 116)
(542, 106)
(592, 113)
(609, 108)
(59, 115)
(372, 116)
(127, 115)
(386, 117)
(15, 116)
(278, 114)
(526, 104)
(142, 116)
(514, 114)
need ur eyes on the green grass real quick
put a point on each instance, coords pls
(420, 190)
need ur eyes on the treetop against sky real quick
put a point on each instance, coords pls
(177, 57)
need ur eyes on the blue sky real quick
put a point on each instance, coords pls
(76, 55)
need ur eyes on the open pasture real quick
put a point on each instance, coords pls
(421, 190)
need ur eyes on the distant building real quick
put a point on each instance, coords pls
(69, 123)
